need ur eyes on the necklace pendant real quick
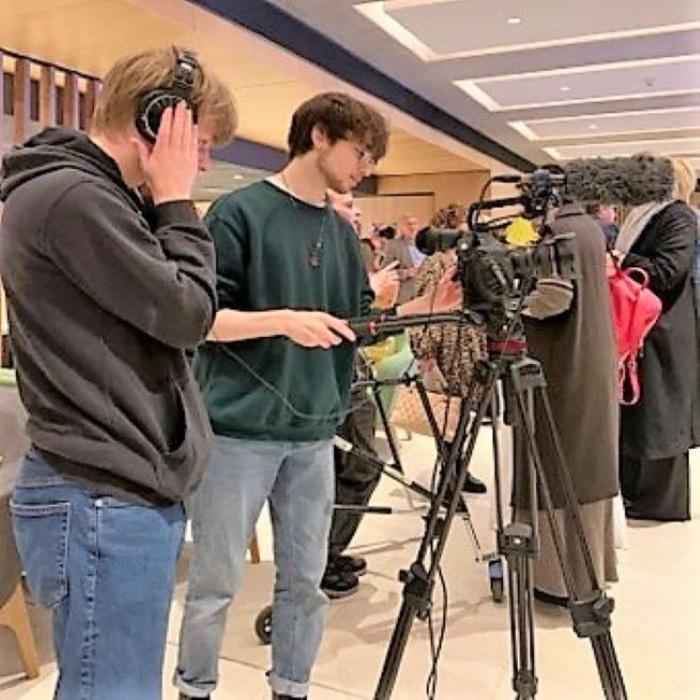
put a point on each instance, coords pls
(315, 256)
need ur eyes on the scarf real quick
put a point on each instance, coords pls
(636, 222)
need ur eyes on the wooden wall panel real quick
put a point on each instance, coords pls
(388, 210)
(47, 96)
(447, 188)
(92, 90)
(71, 96)
(21, 97)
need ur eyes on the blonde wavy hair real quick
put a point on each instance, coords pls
(685, 177)
(130, 78)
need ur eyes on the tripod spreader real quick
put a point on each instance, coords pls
(517, 539)
(417, 592)
(591, 614)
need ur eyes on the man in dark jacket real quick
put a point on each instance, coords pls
(106, 292)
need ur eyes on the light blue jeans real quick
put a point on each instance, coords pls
(297, 480)
(106, 570)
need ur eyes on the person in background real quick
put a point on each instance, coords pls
(355, 477)
(403, 249)
(606, 217)
(568, 327)
(118, 429)
(447, 354)
(657, 432)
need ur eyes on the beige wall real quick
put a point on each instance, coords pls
(446, 188)
(388, 210)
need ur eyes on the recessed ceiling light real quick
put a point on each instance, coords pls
(514, 20)
(592, 126)
(565, 88)
(238, 176)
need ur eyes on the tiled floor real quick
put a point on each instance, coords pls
(656, 625)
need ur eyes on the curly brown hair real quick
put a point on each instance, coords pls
(341, 117)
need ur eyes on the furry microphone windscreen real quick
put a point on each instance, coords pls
(626, 181)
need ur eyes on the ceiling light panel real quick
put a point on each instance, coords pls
(596, 83)
(443, 29)
(615, 124)
(664, 147)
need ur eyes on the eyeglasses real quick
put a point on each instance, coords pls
(364, 157)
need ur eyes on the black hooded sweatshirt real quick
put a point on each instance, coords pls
(105, 295)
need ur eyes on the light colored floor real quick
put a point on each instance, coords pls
(656, 626)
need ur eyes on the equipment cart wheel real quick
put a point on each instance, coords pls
(263, 625)
(496, 579)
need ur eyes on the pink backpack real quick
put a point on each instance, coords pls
(635, 310)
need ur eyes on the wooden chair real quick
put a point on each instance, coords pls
(254, 550)
(14, 614)
(13, 445)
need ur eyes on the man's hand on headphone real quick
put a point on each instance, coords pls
(170, 166)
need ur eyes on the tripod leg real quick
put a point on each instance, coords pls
(518, 546)
(419, 580)
(590, 613)
(449, 475)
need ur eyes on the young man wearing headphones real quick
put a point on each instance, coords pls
(276, 378)
(107, 288)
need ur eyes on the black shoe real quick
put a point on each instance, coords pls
(286, 697)
(183, 696)
(339, 584)
(550, 598)
(473, 485)
(347, 564)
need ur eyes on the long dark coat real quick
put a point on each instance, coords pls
(578, 353)
(661, 424)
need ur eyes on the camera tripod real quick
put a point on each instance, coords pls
(522, 381)
(394, 470)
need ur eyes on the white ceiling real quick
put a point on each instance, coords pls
(562, 75)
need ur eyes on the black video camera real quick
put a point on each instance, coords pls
(493, 272)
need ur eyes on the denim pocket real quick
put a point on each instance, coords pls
(41, 532)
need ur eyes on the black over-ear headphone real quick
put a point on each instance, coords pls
(155, 102)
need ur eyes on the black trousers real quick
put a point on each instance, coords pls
(355, 477)
(656, 489)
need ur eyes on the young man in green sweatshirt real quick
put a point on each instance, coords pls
(276, 378)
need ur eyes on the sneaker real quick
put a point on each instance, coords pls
(473, 485)
(339, 584)
(346, 563)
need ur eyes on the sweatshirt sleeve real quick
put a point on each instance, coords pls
(158, 278)
(229, 232)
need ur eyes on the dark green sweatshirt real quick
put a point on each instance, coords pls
(272, 388)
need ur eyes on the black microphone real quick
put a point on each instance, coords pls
(430, 240)
(510, 179)
(627, 181)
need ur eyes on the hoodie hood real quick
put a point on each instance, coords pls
(55, 149)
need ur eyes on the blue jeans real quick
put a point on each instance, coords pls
(106, 569)
(297, 479)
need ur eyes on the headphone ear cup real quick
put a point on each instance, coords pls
(150, 112)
